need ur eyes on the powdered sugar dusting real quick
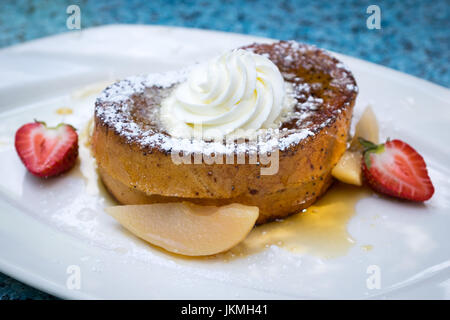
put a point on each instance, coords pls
(116, 107)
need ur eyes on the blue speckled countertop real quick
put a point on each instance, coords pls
(414, 35)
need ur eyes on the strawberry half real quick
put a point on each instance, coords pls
(45, 151)
(396, 169)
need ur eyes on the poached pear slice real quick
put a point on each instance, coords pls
(367, 128)
(348, 168)
(188, 229)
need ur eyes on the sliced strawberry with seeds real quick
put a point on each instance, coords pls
(396, 169)
(47, 151)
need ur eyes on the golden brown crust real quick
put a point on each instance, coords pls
(137, 173)
(304, 175)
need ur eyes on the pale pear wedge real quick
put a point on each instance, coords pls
(367, 128)
(348, 169)
(186, 228)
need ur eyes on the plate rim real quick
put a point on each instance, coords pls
(31, 277)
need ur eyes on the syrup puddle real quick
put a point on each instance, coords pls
(64, 111)
(320, 230)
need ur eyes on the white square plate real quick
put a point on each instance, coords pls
(48, 226)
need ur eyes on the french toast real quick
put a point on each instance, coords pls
(133, 151)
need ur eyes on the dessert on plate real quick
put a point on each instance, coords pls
(297, 98)
(198, 156)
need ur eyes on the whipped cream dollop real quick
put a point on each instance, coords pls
(236, 90)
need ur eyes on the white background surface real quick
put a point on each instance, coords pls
(46, 226)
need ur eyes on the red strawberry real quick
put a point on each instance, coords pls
(396, 169)
(45, 151)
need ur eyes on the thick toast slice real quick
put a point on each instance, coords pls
(134, 152)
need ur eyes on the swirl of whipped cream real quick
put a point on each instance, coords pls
(236, 90)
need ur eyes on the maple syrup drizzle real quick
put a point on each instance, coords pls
(320, 230)
(64, 111)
